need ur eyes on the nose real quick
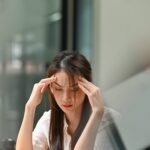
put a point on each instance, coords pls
(66, 98)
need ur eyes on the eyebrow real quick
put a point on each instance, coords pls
(58, 84)
(73, 85)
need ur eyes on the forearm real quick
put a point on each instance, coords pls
(88, 136)
(24, 140)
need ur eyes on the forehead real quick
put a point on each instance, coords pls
(65, 79)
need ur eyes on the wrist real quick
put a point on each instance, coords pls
(98, 113)
(30, 106)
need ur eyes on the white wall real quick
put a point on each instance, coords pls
(121, 40)
(121, 49)
(131, 99)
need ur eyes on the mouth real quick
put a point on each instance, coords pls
(67, 106)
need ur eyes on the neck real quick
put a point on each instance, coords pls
(73, 118)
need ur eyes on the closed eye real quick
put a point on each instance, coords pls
(58, 89)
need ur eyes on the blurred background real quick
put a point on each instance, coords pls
(113, 35)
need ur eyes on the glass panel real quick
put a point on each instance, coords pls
(84, 27)
(30, 37)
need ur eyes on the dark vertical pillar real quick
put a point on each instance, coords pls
(64, 26)
(75, 19)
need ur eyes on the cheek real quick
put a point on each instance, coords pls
(80, 96)
(57, 95)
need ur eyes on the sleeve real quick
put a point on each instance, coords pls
(104, 141)
(40, 133)
(105, 138)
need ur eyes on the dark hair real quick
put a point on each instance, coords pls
(73, 63)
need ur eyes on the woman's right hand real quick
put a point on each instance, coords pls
(38, 91)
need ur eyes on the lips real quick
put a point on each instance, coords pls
(66, 105)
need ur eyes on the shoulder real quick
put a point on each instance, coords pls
(41, 130)
(109, 116)
(46, 115)
(103, 140)
(44, 120)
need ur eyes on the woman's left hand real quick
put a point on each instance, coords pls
(94, 95)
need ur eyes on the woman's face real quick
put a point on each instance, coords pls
(68, 96)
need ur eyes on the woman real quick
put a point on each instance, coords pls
(76, 112)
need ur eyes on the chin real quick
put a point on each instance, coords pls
(67, 110)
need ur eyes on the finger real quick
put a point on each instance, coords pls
(50, 87)
(85, 90)
(44, 88)
(87, 83)
(48, 80)
(87, 86)
(39, 85)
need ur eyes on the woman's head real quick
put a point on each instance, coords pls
(65, 95)
(73, 63)
(68, 66)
